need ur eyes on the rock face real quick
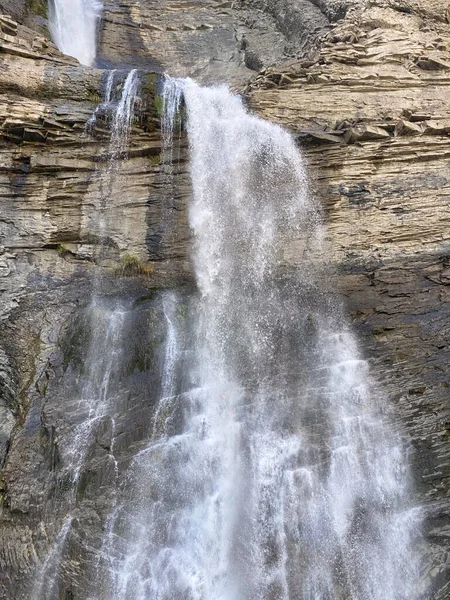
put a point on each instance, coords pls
(364, 85)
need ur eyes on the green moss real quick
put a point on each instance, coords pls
(94, 96)
(149, 83)
(153, 103)
(159, 104)
(38, 7)
(143, 298)
(130, 266)
(62, 250)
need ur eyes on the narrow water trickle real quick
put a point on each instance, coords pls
(172, 101)
(105, 321)
(271, 472)
(90, 411)
(73, 25)
(163, 236)
(119, 112)
(91, 404)
(123, 114)
(46, 583)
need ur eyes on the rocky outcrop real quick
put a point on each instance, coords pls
(364, 86)
(211, 41)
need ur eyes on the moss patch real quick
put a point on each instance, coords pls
(144, 298)
(93, 96)
(130, 266)
(62, 251)
(38, 7)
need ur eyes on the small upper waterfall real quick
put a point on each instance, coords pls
(118, 111)
(271, 471)
(73, 25)
(123, 113)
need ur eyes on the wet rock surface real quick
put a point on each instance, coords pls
(364, 85)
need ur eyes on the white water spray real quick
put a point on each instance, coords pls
(172, 100)
(282, 479)
(123, 114)
(73, 25)
(320, 504)
(47, 581)
(119, 112)
(168, 376)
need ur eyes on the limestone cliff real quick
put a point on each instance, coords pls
(364, 85)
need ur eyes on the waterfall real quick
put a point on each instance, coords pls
(119, 112)
(308, 490)
(135, 517)
(266, 465)
(73, 25)
(273, 470)
(123, 114)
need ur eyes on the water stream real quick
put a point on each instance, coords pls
(271, 471)
(73, 25)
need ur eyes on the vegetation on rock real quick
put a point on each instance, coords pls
(130, 266)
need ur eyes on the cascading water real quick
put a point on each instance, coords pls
(73, 25)
(122, 111)
(163, 234)
(127, 571)
(123, 114)
(271, 472)
(119, 114)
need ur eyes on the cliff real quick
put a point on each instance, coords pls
(364, 85)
